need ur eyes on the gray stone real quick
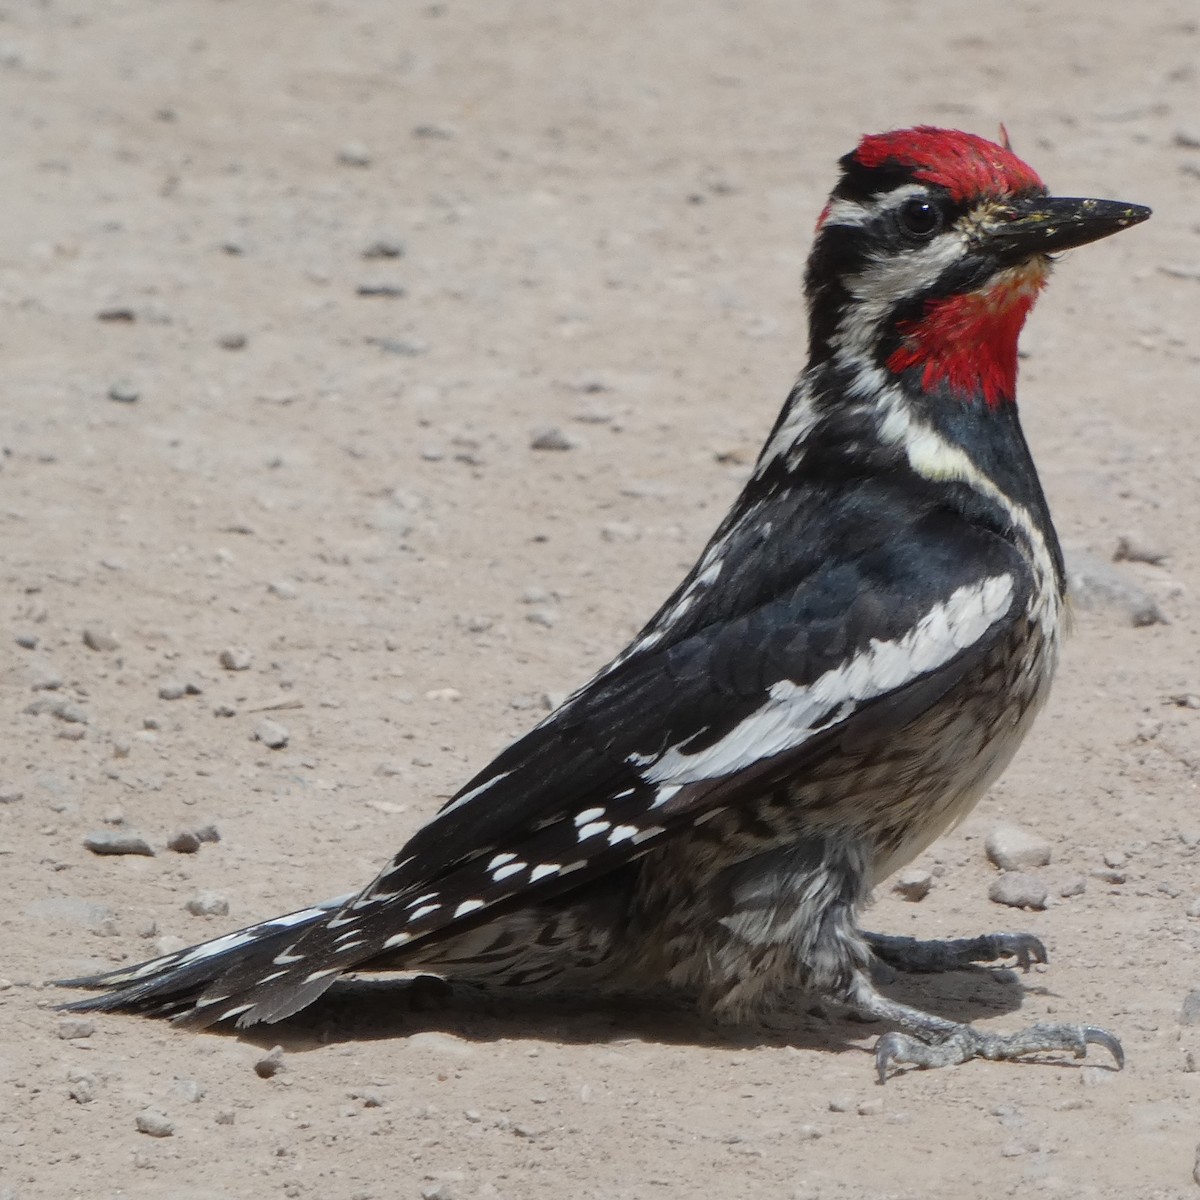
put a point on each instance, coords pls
(1018, 890)
(208, 904)
(118, 841)
(270, 1064)
(1131, 547)
(70, 1028)
(154, 1123)
(235, 658)
(272, 734)
(913, 885)
(100, 637)
(1189, 1014)
(183, 841)
(1014, 849)
(550, 437)
(1095, 586)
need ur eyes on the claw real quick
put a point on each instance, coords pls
(886, 1049)
(1096, 1036)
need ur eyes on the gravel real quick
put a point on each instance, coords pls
(1018, 890)
(1189, 1014)
(175, 689)
(1095, 586)
(124, 392)
(118, 841)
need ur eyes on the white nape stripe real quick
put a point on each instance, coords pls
(505, 872)
(542, 870)
(594, 828)
(793, 712)
(468, 906)
(933, 457)
(475, 792)
(397, 939)
(588, 814)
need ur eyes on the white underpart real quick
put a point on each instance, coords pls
(793, 712)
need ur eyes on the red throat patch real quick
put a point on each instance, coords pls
(969, 342)
(964, 164)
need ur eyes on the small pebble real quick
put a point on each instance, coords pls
(1018, 890)
(1115, 859)
(391, 291)
(1132, 548)
(82, 1086)
(183, 841)
(545, 617)
(282, 589)
(208, 832)
(235, 658)
(270, 1064)
(208, 904)
(354, 154)
(913, 885)
(550, 437)
(188, 1090)
(232, 341)
(153, 1123)
(225, 1117)
(99, 637)
(1014, 849)
(384, 247)
(1189, 1014)
(123, 392)
(841, 1104)
(118, 841)
(27, 641)
(1193, 909)
(272, 735)
(70, 1028)
(10, 795)
(1073, 887)
(869, 1108)
(174, 689)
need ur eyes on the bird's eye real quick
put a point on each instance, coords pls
(919, 218)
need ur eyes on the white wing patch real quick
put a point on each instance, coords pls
(794, 712)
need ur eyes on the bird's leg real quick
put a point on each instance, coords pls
(924, 1040)
(921, 957)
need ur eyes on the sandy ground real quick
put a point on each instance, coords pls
(603, 212)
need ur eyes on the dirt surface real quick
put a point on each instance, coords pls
(597, 217)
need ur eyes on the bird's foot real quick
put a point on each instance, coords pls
(915, 956)
(965, 1042)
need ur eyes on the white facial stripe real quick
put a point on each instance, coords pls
(885, 282)
(794, 712)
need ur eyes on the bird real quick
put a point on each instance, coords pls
(851, 662)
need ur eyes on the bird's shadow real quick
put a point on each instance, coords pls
(364, 1010)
